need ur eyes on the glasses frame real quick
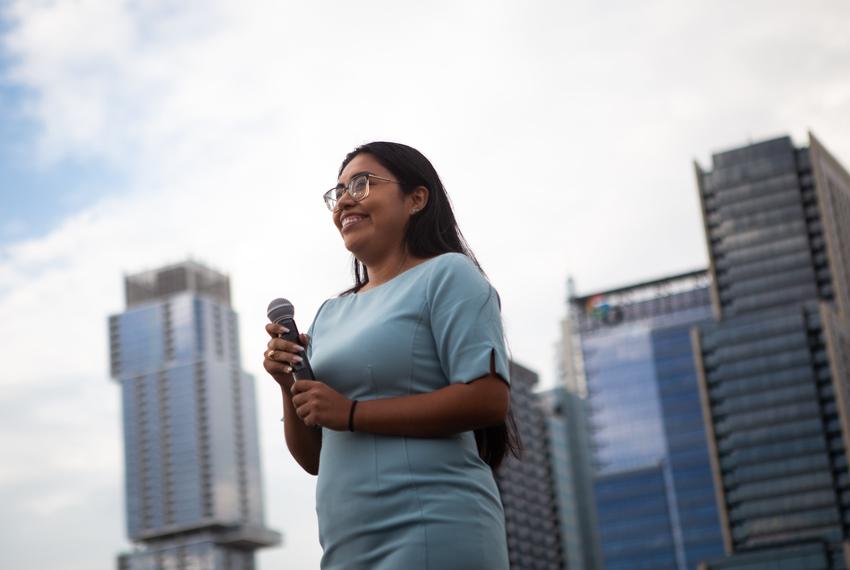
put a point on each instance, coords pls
(337, 191)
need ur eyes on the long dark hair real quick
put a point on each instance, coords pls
(431, 232)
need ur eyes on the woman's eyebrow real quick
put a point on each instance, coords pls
(355, 175)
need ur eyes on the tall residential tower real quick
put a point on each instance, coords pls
(192, 464)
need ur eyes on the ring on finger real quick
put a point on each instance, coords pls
(270, 354)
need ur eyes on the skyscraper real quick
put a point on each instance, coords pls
(774, 367)
(566, 409)
(192, 464)
(652, 477)
(527, 485)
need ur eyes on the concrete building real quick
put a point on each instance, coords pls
(527, 486)
(774, 367)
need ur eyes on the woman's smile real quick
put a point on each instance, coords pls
(350, 220)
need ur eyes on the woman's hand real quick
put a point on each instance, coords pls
(281, 354)
(317, 404)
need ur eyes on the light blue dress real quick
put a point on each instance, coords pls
(407, 503)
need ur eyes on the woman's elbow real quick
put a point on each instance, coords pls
(501, 413)
(491, 397)
(501, 402)
(312, 469)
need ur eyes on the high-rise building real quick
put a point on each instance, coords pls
(774, 368)
(566, 408)
(527, 486)
(651, 473)
(571, 467)
(192, 464)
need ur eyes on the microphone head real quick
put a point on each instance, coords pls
(280, 310)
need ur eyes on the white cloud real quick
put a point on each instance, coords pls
(565, 134)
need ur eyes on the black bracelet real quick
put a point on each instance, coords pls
(351, 416)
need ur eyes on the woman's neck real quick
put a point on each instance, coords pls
(388, 266)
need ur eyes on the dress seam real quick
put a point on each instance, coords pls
(406, 451)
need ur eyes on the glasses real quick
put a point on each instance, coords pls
(357, 188)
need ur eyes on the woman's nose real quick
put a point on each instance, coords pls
(344, 201)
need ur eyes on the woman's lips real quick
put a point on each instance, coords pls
(350, 221)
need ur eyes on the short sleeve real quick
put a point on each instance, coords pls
(309, 348)
(466, 321)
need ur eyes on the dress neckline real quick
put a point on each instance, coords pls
(405, 272)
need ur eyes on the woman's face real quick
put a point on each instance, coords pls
(376, 224)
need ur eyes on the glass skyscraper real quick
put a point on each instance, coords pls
(651, 474)
(775, 366)
(192, 465)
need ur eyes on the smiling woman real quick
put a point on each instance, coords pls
(412, 401)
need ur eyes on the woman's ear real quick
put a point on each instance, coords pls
(418, 199)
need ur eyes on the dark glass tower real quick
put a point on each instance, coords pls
(652, 475)
(774, 366)
(193, 488)
(527, 486)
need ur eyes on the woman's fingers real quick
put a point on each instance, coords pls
(283, 356)
(280, 356)
(304, 385)
(274, 366)
(285, 347)
(305, 411)
(288, 345)
(298, 392)
(275, 329)
(300, 397)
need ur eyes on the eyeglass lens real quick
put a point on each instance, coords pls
(358, 189)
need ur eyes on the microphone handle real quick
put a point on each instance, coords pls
(301, 370)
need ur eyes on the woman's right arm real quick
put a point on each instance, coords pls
(304, 442)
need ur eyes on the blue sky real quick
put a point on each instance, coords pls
(37, 193)
(135, 134)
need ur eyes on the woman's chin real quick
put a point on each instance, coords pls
(353, 244)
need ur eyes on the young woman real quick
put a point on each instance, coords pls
(409, 413)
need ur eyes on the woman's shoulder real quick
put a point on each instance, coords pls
(451, 258)
(453, 261)
(456, 273)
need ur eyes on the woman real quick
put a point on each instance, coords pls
(407, 417)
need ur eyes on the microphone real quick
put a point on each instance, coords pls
(281, 312)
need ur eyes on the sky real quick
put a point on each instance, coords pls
(136, 134)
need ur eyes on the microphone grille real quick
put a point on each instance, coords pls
(280, 309)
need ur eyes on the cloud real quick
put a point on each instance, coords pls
(565, 134)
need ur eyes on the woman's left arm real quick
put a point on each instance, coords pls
(447, 411)
(452, 409)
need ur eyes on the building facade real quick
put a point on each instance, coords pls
(192, 464)
(566, 408)
(571, 463)
(651, 472)
(527, 485)
(773, 367)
